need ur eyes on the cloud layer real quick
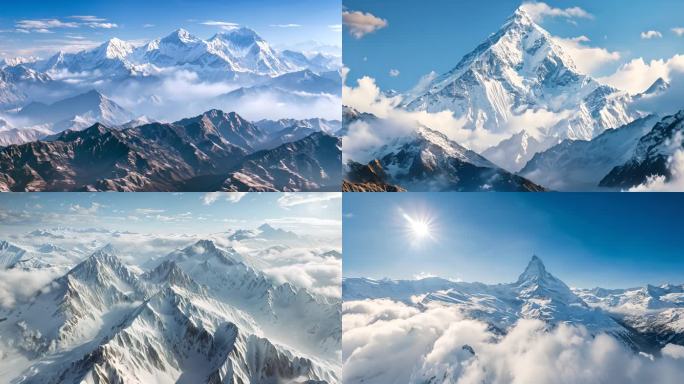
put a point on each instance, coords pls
(438, 343)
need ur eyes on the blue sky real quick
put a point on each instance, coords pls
(189, 213)
(275, 20)
(433, 36)
(587, 240)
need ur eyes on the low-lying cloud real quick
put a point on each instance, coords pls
(438, 344)
(19, 286)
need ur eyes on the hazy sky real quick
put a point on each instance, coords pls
(423, 36)
(587, 240)
(189, 213)
(39, 27)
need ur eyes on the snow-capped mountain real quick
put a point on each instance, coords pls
(238, 52)
(76, 112)
(239, 64)
(651, 155)
(41, 120)
(580, 165)
(651, 310)
(522, 69)
(537, 294)
(198, 315)
(264, 232)
(428, 160)
(330, 127)
(14, 80)
(10, 254)
(211, 151)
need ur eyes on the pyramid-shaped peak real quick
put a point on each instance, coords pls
(207, 245)
(265, 227)
(535, 270)
(106, 250)
(521, 14)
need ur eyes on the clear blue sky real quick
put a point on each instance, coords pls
(189, 213)
(423, 36)
(150, 19)
(587, 240)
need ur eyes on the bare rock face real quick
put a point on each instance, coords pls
(213, 151)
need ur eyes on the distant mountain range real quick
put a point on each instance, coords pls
(209, 152)
(39, 97)
(644, 319)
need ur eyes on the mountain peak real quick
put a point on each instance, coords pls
(266, 227)
(180, 36)
(535, 270)
(521, 16)
(659, 85)
(242, 36)
(115, 48)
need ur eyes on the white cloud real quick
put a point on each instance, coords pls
(46, 25)
(288, 199)
(679, 31)
(675, 165)
(586, 58)
(286, 25)
(148, 25)
(637, 75)
(322, 276)
(335, 27)
(364, 137)
(226, 25)
(651, 35)
(149, 211)
(18, 285)
(394, 72)
(88, 18)
(439, 342)
(539, 10)
(212, 197)
(361, 24)
(82, 210)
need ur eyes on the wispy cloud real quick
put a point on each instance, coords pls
(361, 24)
(149, 211)
(232, 197)
(226, 25)
(286, 25)
(48, 25)
(83, 210)
(335, 27)
(294, 199)
(394, 72)
(679, 31)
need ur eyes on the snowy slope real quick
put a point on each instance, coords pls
(579, 165)
(651, 156)
(537, 294)
(521, 69)
(198, 315)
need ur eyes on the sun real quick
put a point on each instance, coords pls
(419, 227)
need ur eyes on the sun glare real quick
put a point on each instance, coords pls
(419, 228)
